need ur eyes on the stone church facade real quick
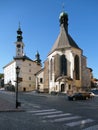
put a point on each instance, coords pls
(65, 69)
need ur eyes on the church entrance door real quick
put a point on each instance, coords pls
(62, 87)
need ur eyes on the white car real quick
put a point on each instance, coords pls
(91, 94)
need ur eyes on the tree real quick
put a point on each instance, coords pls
(1, 75)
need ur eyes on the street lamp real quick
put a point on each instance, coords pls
(17, 75)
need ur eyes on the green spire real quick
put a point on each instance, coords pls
(63, 18)
(38, 60)
(19, 34)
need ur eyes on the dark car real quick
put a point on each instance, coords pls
(79, 96)
(95, 91)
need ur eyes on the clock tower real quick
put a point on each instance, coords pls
(19, 44)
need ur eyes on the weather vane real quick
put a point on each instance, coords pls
(19, 24)
(63, 6)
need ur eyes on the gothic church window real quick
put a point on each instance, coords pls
(76, 67)
(41, 80)
(51, 69)
(63, 65)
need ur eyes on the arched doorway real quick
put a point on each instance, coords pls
(24, 89)
(62, 87)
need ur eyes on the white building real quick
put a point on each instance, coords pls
(27, 66)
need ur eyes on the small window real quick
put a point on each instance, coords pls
(18, 50)
(29, 85)
(56, 87)
(29, 70)
(29, 64)
(29, 78)
(41, 80)
(69, 86)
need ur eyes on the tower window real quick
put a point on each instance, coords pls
(18, 46)
(18, 50)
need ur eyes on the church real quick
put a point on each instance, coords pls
(28, 67)
(65, 69)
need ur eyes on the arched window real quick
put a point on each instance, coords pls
(63, 65)
(76, 67)
(51, 69)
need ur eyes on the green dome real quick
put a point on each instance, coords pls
(62, 14)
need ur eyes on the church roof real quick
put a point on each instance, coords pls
(64, 40)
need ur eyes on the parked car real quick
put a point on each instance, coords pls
(54, 93)
(95, 91)
(91, 94)
(79, 96)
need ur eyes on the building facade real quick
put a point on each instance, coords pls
(65, 69)
(28, 67)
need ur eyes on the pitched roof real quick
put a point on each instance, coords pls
(64, 40)
(41, 70)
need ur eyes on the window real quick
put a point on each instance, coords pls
(18, 50)
(69, 86)
(63, 65)
(76, 67)
(29, 85)
(29, 70)
(41, 80)
(51, 69)
(29, 64)
(29, 78)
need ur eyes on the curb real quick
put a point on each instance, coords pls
(12, 110)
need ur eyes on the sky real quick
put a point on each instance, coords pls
(39, 21)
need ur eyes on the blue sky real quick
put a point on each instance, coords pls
(39, 21)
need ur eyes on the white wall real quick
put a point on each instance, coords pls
(9, 73)
(27, 70)
(38, 83)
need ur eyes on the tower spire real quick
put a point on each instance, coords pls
(63, 18)
(19, 34)
(19, 43)
(38, 60)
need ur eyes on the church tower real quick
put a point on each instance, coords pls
(38, 60)
(19, 44)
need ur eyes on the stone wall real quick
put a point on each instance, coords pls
(46, 75)
(86, 78)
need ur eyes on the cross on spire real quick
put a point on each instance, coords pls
(63, 6)
(19, 24)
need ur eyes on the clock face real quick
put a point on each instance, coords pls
(18, 45)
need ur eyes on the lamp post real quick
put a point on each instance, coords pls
(17, 75)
